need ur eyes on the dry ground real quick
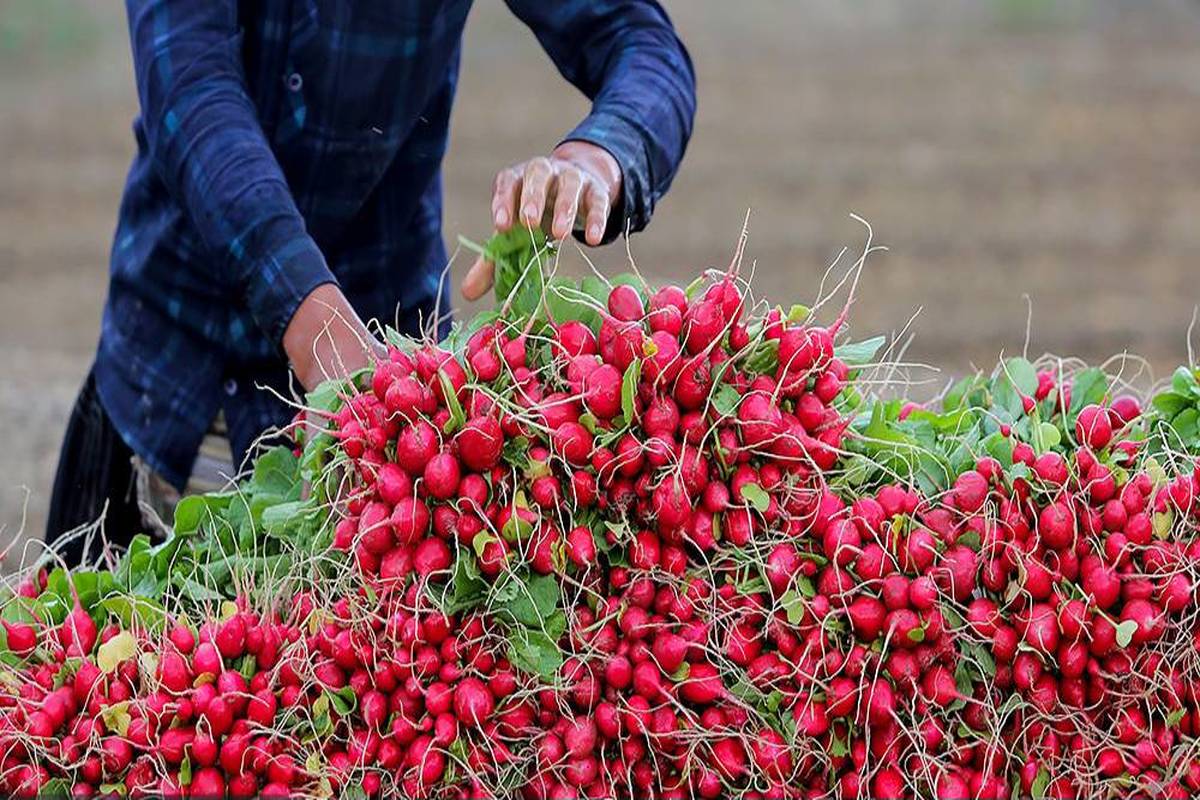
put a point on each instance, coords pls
(1002, 149)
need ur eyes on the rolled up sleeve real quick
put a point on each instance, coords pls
(208, 147)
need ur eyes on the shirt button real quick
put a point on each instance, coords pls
(231, 387)
(294, 82)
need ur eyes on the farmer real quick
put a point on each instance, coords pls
(286, 188)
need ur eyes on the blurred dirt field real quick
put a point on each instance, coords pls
(1000, 148)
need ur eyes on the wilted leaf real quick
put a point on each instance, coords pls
(120, 648)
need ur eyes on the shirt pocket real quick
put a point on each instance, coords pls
(359, 66)
(331, 177)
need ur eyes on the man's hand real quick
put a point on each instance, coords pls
(578, 182)
(326, 339)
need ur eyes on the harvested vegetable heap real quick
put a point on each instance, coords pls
(613, 541)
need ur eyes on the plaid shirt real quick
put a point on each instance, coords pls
(283, 144)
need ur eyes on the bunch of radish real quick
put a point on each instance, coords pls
(659, 542)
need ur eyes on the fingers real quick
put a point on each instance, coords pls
(505, 193)
(478, 279)
(596, 210)
(567, 190)
(535, 184)
(552, 194)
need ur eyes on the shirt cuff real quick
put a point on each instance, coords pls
(276, 283)
(626, 143)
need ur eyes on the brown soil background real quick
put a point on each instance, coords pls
(1000, 148)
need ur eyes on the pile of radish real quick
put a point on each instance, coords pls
(610, 541)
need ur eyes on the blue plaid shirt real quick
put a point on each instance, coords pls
(283, 144)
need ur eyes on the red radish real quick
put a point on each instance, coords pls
(1051, 468)
(1041, 628)
(576, 339)
(1093, 427)
(867, 616)
(665, 362)
(442, 475)
(473, 702)
(480, 443)
(939, 687)
(573, 442)
(581, 547)
(625, 303)
(1149, 620)
(21, 638)
(417, 444)
(970, 492)
(431, 556)
(78, 632)
(602, 391)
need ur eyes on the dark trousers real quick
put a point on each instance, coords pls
(95, 469)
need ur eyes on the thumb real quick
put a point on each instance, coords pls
(478, 279)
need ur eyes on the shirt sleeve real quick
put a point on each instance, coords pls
(205, 141)
(624, 55)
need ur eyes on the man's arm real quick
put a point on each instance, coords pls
(624, 55)
(208, 147)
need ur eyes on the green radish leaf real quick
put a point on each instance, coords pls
(1187, 426)
(457, 417)
(806, 587)
(535, 652)
(1167, 403)
(342, 701)
(595, 288)
(952, 618)
(1176, 717)
(285, 517)
(629, 385)
(481, 541)
(755, 585)
(1000, 448)
(793, 605)
(970, 539)
(148, 612)
(856, 354)
(467, 587)
(1183, 381)
(1051, 436)
(1040, 782)
(1125, 632)
(1022, 374)
(57, 787)
(764, 358)
(1089, 387)
(628, 279)
(327, 397)
(276, 473)
(536, 599)
(798, 313)
(916, 635)
(726, 400)
(756, 497)
(567, 303)
(194, 510)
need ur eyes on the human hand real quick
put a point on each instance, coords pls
(580, 182)
(326, 339)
